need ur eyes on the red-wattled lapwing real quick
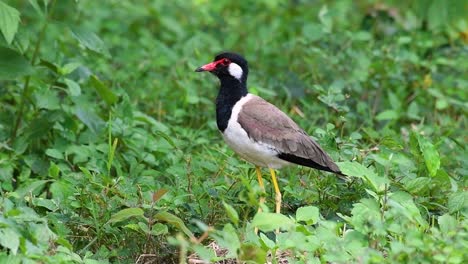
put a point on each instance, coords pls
(257, 130)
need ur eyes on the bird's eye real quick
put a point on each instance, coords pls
(226, 62)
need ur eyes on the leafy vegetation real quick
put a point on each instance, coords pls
(109, 150)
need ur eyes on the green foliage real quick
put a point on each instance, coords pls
(109, 150)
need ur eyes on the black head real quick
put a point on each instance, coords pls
(227, 65)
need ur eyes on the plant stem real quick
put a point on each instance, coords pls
(37, 47)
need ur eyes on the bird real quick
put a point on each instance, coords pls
(258, 131)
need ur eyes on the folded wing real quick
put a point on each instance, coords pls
(265, 123)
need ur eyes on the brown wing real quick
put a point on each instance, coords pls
(264, 122)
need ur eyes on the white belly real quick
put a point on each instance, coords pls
(257, 153)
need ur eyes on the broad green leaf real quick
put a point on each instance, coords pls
(69, 68)
(90, 119)
(73, 87)
(271, 221)
(54, 153)
(387, 115)
(133, 227)
(309, 214)
(142, 117)
(405, 206)
(430, 154)
(361, 36)
(231, 212)
(413, 111)
(9, 20)
(312, 32)
(12, 64)
(159, 229)
(47, 99)
(458, 201)
(266, 241)
(143, 226)
(104, 92)
(54, 170)
(27, 189)
(442, 103)
(365, 214)
(89, 40)
(204, 253)
(175, 221)
(418, 185)
(228, 238)
(447, 223)
(61, 190)
(51, 205)
(125, 214)
(355, 169)
(10, 239)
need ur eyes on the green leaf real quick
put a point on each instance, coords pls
(159, 229)
(175, 221)
(125, 214)
(90, 119)
(47, 99)
(312, 32)
(27, 189)
(144, 227)
(355, 169)
(104, 92)
(228, 238)
(9, 20)
(447, 223)
(89, 40)
(458, 201)
(430, 154)
(73, 87)
(387, 115)
(271, 221)
(69, 68)
(12, 64)
(266, 241)
(51, 205)
(166, 137)
(36, 7)
(418, 185)
(403, 203)
(308, 214)
(9, 239)
(54, 170)
(365, 214)
(437, 14)
(231, 212)
(54, 153)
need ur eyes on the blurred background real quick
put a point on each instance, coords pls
(109, 147)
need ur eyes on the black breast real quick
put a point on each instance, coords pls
(231, 91)
(223, 113)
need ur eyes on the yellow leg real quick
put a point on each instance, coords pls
(260, 182)
(262, 198)
(277, 191)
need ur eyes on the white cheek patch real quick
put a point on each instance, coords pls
(235, 70)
